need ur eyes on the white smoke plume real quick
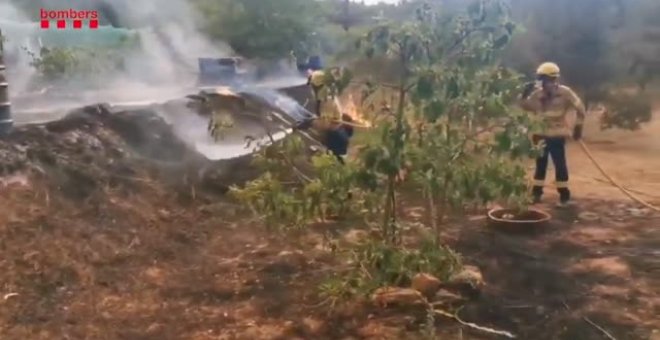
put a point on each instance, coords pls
(162, 69)
(164, 66)
(11, 17)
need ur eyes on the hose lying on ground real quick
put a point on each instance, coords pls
(613, 182)
(634, 191)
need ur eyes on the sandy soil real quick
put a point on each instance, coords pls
(598, 263)
(99, 243)
(632, 158)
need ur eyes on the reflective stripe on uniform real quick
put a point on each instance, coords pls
(562, 185)
(539, 183)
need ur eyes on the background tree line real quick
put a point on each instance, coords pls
(597, 43)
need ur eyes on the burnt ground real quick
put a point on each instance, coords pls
(108, 232)
(552, 284)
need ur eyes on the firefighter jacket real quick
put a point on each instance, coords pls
(317, 80)
(554, 111)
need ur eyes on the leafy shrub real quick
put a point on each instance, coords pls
(66, 63)
(389, 265)
(455, 126)
(294, 191)
(626, 111)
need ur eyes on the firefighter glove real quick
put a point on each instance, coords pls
(529, 88)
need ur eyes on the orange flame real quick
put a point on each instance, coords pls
(351, 110)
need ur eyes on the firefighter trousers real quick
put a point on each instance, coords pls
(555, 148)
(337, 141)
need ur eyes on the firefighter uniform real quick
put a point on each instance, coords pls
(553, 105)
(335, 136)
(338, 138)
(317, 81)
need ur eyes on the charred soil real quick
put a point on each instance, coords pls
(112, 228)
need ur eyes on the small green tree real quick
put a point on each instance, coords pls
(295, 190)
(454, 125)
(454, 129)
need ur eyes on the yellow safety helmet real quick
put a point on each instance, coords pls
(548, 69)
(317, 78)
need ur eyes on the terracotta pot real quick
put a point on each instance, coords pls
(511, 220)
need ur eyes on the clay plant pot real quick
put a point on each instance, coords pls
(510, 220)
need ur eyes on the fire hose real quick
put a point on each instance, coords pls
(614, 182)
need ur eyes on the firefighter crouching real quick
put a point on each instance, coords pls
(334, 127)
(334, 136)
(338, 138)
(553, 101)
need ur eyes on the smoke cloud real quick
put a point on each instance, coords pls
(162, 67)
(10, 18)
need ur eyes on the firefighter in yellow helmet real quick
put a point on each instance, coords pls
(553, 101)
(317, 81)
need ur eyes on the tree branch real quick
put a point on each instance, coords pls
(473, 325)
(606, 333)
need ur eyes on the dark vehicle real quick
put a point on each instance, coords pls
(219, 71)
(313, 63)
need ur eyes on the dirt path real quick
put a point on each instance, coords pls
(632, 158)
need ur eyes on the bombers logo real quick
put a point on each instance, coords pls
(64, 17)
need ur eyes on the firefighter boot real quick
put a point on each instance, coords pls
(564, 197)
